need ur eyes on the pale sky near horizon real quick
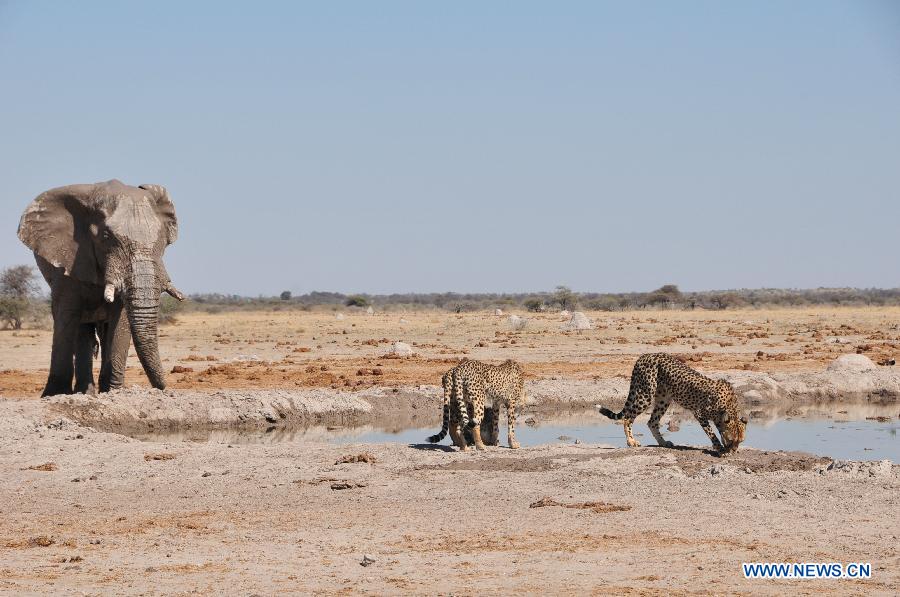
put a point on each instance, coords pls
(472, 146)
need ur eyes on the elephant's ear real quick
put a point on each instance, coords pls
(55, 227)
(165, 209)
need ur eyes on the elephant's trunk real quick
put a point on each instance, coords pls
(142, 291)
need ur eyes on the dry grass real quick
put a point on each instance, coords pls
(314, 349)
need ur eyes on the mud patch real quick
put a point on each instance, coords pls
(596, 507)
(751, 461)
(537, 464)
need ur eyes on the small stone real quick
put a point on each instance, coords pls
(206, 474)
(367, 560)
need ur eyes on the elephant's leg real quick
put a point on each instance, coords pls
(84, 359)
(62, 366)
(114, 349)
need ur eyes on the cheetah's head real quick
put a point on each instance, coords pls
(732, 426)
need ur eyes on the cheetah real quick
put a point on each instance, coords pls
(471, 383)
(451, 418)
(661, 378)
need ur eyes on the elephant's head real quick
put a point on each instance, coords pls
(111, 236)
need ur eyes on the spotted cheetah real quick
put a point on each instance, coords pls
(661, 378)
(451, 418)
(471, 383)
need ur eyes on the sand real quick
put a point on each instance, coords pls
(85, 509)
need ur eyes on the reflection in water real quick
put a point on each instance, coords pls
(844, 431)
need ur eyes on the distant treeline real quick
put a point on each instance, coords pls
(666, 297)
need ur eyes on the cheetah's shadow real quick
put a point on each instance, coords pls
(707, 451)
(432, 447)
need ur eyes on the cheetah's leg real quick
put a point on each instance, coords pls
(710, 433)
(511, 420)
(461, 390)
(494, 439)
(455, 431)
(659, 409)
(632, 409)
(640, 393)
(629, 439)
(476, 397)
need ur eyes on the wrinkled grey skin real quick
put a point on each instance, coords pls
(99, 247)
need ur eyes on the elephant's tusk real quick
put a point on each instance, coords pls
(109, 293)
(174, 292)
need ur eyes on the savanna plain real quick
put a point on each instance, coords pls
(256, 471)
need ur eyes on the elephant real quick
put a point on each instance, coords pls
(99, 247)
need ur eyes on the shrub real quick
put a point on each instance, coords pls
(565, 298)
(286, 295)
(605, 303)
(18, 292)
(13, 311)
(534, 305)
(168, 308)
(356, 300)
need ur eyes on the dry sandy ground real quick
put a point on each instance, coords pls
(87, 511)
(315, 349)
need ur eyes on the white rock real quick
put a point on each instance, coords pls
(565, 314)
(339, 316)
(856, 363)
(880, 468)
(370, 311)
(516, 322)
(498, 312)
(578, 321)
(401, 349)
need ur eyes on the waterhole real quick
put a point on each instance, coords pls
(841, 431)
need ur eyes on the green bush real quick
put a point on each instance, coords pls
(356, 300)
(534, 305)
(13, 311)
(168, 308)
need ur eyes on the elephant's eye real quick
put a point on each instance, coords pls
(105, 235)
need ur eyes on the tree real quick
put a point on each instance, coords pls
(565, 298)
(724, 300)
(18, 287)
(18, 282)
(286, 295)
(356, 300)
(664, 295)
(534, 305)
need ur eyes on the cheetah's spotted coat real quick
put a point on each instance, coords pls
(467, 388)
(661, 378)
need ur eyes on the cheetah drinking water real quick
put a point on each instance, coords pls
(661, 378)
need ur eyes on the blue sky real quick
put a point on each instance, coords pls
(472, 146)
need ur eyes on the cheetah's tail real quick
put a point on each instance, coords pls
(446, 382)
(614, 416)
(445, 427)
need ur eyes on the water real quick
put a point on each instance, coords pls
(845, 432)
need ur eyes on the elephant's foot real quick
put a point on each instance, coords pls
(57, 385)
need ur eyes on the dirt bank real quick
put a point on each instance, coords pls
(87, 511)
(139, 410)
